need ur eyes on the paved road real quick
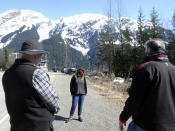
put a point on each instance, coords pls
(4, 118)
(97, 114)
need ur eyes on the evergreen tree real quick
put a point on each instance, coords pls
(127, 36)
(6, 59)
(156, 31)
(105, 47)
(122, 55)
(141, 35)
(1, 59)
(173, 22)
(171, 42)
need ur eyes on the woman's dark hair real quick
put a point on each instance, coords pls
(80, 72)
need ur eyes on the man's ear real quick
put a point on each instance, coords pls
(35, 57)
(149, 50)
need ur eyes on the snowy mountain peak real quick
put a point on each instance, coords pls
(13, 20)
(21, 15)
(77, 20)
(85, 17)
(79, 29)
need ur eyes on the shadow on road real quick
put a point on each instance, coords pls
(60, 118)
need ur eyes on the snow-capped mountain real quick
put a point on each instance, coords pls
(13, 20)
(75, 30)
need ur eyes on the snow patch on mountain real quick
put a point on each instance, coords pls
(79, 28)
(2, 45)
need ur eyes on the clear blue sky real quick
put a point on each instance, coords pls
(54, 9)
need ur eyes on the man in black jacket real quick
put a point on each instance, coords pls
(30, 98)
(151, 101)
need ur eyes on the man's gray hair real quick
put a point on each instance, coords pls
(155, 44)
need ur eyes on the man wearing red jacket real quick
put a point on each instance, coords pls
(151, 101)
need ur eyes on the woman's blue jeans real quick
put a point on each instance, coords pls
(133, 127)
(77, 99)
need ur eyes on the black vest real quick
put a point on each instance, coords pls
(25, 107)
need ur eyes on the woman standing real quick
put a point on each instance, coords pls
(78, 89)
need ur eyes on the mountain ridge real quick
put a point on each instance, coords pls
(75, 30)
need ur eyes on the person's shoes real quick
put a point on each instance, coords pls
(80, 119)
(69, 119)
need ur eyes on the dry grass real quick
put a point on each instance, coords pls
(115, 93)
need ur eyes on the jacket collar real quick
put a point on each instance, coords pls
(156, 58)
(23, 61)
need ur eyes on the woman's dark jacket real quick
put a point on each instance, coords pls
(151, 101)
(74, 86)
